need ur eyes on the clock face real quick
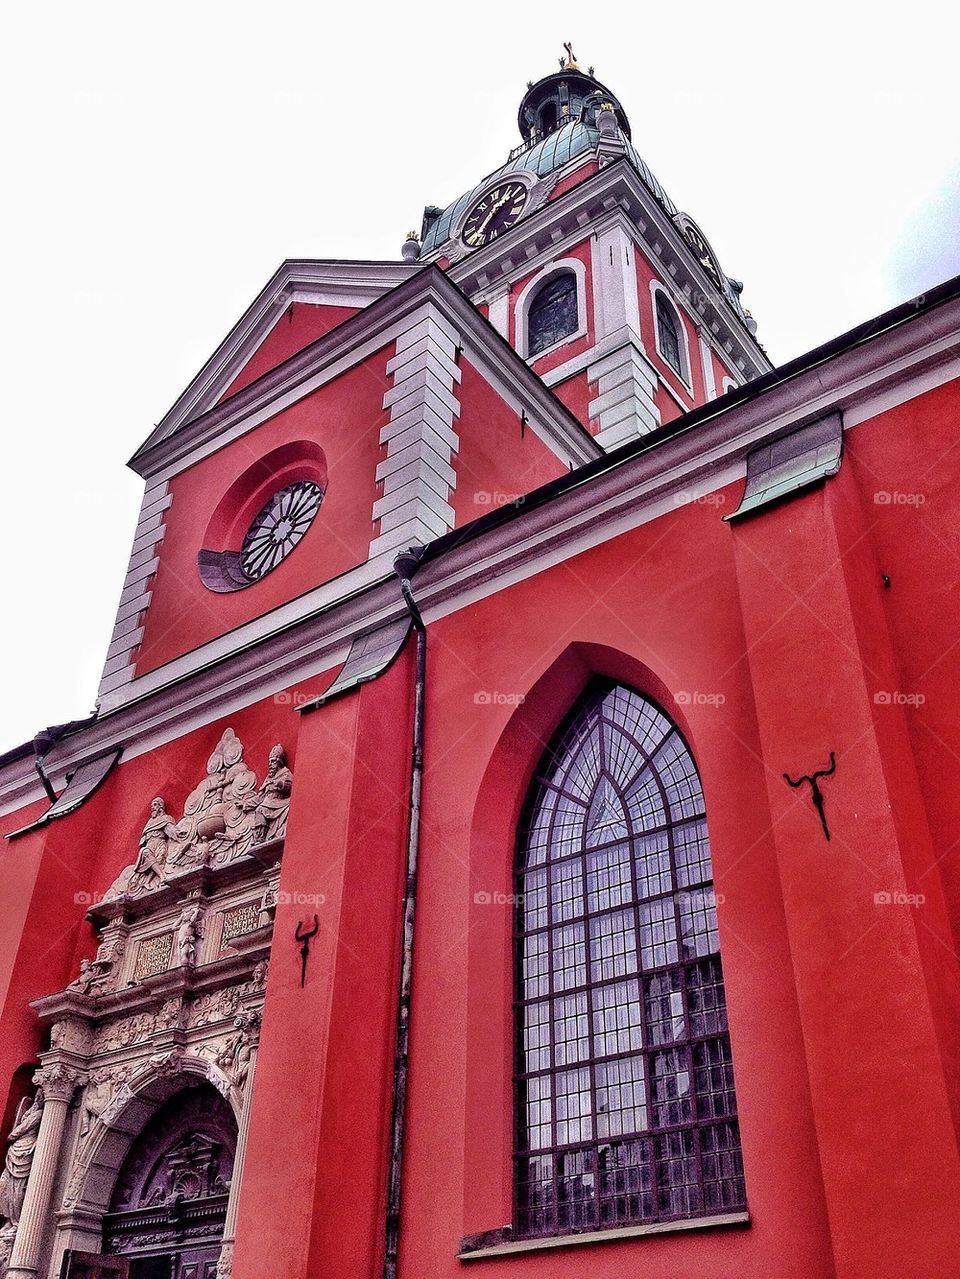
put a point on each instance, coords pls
(703, 253)
(495, 213)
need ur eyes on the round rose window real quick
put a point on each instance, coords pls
(278, 527)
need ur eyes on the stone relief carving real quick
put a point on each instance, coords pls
(275, 796)
(102, 1097)
(232, 1056)
(16, 1170)
(99, 975)
(126, 1032)
(189, 932)
(224, 816)
(191, 1169)
(72, 1035)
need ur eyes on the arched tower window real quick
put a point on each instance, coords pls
(669, 339)
(548, 118)
(553, 313)
(625, 1103)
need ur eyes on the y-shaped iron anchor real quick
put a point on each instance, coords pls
(304, 939)
(815, 793)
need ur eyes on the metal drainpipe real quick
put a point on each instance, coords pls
(405, 566)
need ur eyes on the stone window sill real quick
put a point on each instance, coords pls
(542, 1244)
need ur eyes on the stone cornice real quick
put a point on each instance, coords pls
(862, 374)
(150, 993)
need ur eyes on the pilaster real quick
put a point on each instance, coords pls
(870, 940)
(225, 1263)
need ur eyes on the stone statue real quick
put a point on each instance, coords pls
(222, 818)
(240, 811)
(234, 1055)
(149, 871)
(95, 974)
(274, 797)
(268, 906)
(189, 933)
(16, 1168)
(205, 812)
(87, 979)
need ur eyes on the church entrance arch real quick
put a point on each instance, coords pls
(168, 1207)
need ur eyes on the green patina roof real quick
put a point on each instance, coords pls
(554, 152)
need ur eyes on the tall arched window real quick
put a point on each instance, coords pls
(553, 313)
(669, 340)
(626, 1111)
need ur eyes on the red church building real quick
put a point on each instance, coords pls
(517, 832)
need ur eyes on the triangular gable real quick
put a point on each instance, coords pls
(322, 283)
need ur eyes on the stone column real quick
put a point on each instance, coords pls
(58, 1084)
(225, 1264)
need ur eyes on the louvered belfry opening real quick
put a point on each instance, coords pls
(625, 1104)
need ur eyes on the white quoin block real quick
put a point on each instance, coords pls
(421, 439)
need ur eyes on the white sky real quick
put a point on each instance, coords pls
(161, 161)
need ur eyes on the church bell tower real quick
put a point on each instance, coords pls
(579, 258)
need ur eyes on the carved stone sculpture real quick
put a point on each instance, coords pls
(203, 813)
(233, 1056)
(223, 818)
(8, 1234)
(275, 796)
(150, 869)
(189, 932)
(99, 974)
(19, 1158)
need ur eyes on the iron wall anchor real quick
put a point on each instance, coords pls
(815, 793)
(304, 939)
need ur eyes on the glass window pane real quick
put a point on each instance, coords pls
(569, 957)
(571, 1029)
(609, 878)
(621, 1097)
(668, 334)
(613, 945)
(625, 1091)
(616, 1019)
(553, 313)
(574, 1108)
(658, 933)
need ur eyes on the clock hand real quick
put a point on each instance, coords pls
(499, 205)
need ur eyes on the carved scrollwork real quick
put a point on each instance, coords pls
(58, 1082)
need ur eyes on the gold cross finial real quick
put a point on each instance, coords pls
(571, 63)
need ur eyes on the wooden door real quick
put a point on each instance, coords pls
(198, 1263)
(93, 1265)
